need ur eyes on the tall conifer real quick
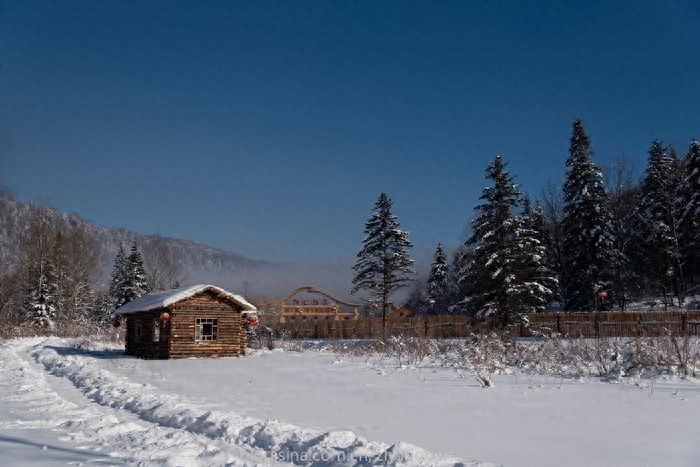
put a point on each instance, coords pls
(383, 265)
(589, 253)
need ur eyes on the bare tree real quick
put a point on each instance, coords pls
(552, 200)
(618, 175)
(163, 268)
(78, 271)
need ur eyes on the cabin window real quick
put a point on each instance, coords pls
(156, 330)
(139, 330)
(205, 329)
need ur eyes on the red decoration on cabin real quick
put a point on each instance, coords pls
(116, 323)
(253, 320)
(164, 317)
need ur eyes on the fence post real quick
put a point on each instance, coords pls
(558, 324)
(596, 325)
(684, 320)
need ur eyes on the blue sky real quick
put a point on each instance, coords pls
(269, 128)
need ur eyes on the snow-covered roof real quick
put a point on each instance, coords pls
(170, 297)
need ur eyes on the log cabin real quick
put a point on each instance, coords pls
(195, 321)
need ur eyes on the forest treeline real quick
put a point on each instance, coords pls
(596, 242)
(60, 266)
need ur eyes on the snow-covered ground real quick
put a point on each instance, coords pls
(63, 403)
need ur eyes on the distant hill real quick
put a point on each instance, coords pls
(259, 280)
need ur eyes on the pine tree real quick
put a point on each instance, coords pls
(533, 282)
(655, 221)
(688, 205)
(117, 293)
(589, 254)
(438, 287)
(137, 280)
(129, 280)
(504, 275)
(383, 265)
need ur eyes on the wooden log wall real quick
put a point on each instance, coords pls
(139, 335)
(177, 336)
(231, 334)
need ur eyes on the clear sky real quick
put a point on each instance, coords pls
(269, 128)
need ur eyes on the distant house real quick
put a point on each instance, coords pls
(404, 311)
(196, 321)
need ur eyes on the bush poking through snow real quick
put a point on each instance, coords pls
(482, 356)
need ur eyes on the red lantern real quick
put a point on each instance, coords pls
(603, 296)
(431, 302)
(116, 323)
(164, 317)
(253, 320)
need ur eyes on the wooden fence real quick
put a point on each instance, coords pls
(565, 324)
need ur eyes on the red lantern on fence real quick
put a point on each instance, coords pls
(116, 323)
(164, 317)
(253, 320)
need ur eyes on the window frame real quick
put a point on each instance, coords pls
(200, 336)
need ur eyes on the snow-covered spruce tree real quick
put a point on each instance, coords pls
(501, 278)
(656, 224)
(538, 281)
(117, 294)
(383, 265)
(589, 254)
(688, 205)
(137, 280)
(129, 280)
(438, 286)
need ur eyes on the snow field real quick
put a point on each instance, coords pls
(308, 406)
(137, 422)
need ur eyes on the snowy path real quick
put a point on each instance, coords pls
(61, 406)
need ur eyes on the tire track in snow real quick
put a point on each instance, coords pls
(269, 439)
